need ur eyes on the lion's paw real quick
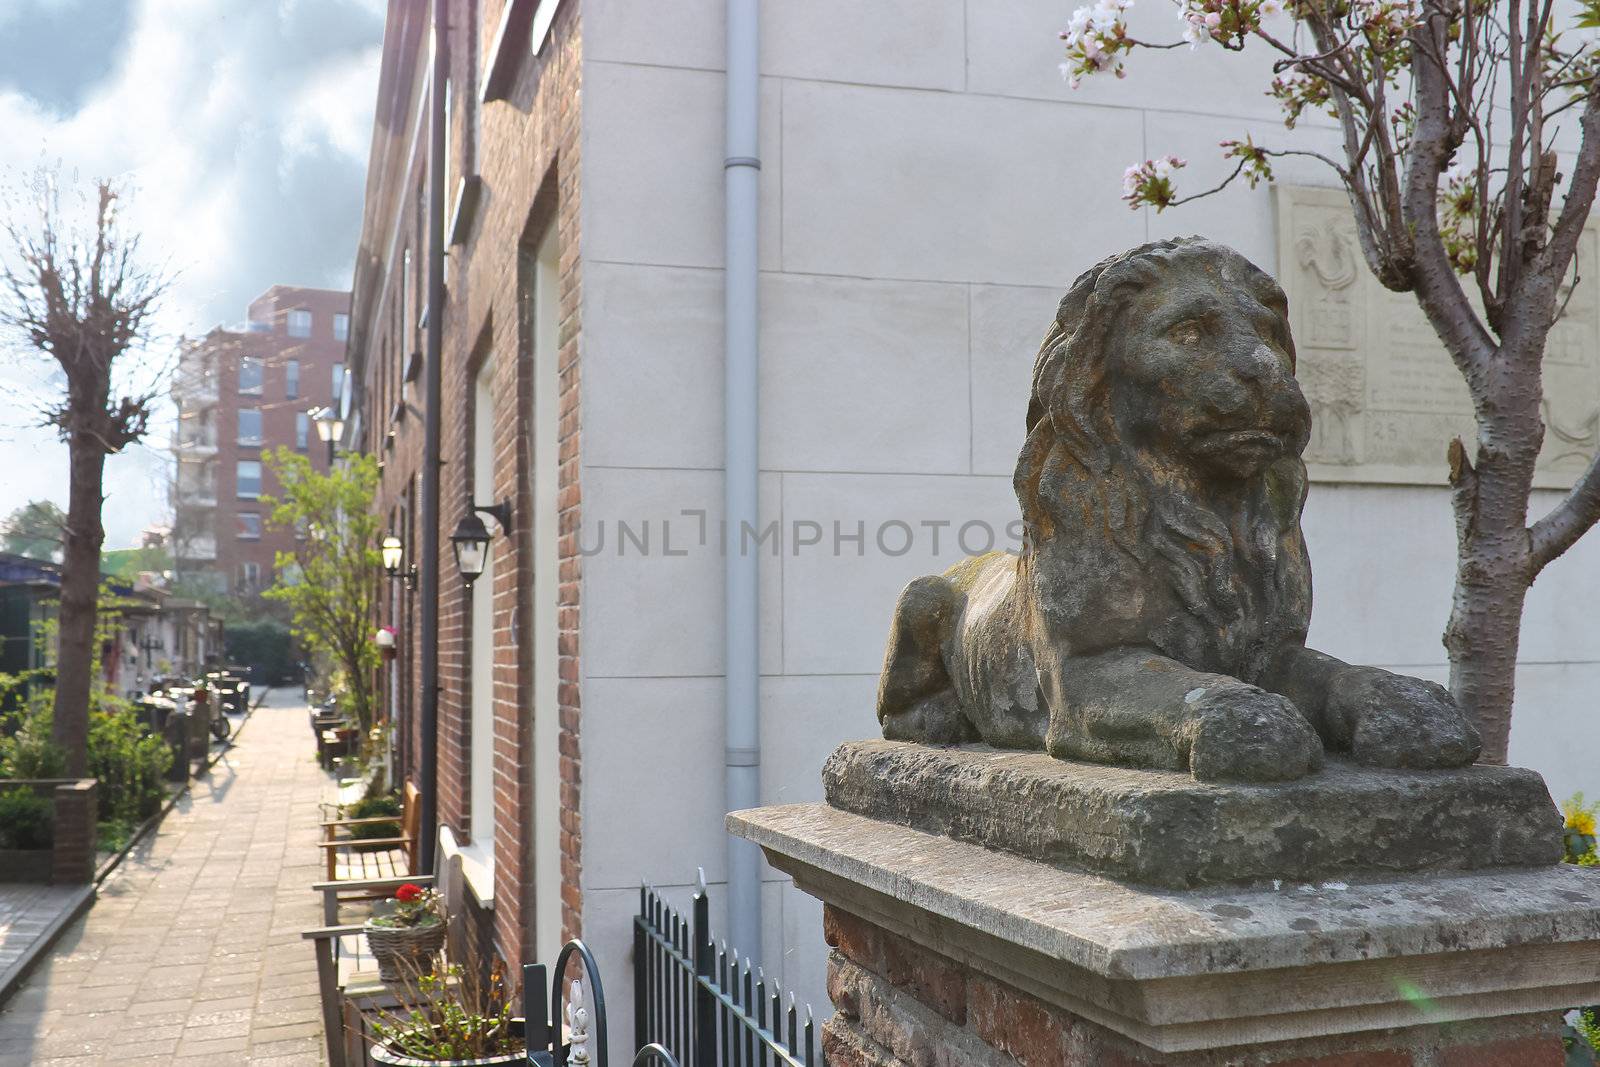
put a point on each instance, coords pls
(1397, 721)
(1241, 733)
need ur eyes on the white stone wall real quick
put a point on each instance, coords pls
(929, 187)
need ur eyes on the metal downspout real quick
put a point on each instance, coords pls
(428, 583)
(741, 169)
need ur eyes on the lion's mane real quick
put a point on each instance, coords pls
(1077, 480)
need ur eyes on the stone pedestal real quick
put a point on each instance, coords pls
(947, 953)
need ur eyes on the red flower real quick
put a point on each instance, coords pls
(407, 893)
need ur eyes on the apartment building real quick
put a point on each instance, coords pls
(241, 392)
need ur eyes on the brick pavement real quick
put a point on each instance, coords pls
(193, 952)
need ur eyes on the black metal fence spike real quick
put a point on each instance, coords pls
(703, 1003)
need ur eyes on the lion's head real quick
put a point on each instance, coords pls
(1165, 419)
(1180, 349)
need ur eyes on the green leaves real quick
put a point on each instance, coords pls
(329, 581)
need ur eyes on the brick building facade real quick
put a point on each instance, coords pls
(241, 393)
(508, 765)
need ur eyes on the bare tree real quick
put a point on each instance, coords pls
(84, 299)
(1447, 115)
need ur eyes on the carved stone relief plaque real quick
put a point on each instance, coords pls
(1385, 397)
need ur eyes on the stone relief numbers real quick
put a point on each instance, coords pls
(1385, 397)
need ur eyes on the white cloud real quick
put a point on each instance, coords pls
(240, 129)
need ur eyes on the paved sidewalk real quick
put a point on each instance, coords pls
(29, 916)
(193, 952)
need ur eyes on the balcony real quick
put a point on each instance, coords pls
(202, 547)
(194, 390)
(195, 443)
(195, 496)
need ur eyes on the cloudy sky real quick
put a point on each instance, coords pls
(239, 127)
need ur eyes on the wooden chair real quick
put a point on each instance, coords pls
(347, 975)
(351, 859)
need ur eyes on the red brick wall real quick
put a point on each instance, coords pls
(900, 1005)
(527, 154)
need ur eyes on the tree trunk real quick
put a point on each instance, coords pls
(80, 594)
(1494, 563)
(1482, 639)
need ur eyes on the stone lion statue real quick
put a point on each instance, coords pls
(1156, 615)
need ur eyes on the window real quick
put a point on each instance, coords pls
(250, 375)
(338, 381)
(249, 577)
(539, 343)
(250, 426)
(291, 379)
(299, 323)
(341, 327)
(249, 526)
(481, 751)
(247, 476)
(302, 430)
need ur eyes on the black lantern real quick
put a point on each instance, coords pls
(330, 427)
(471, 539)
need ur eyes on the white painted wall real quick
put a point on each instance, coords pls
(929, 188)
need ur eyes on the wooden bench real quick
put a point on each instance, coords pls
(361, 863)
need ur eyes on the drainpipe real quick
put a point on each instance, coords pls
(428, 577)
(741, 415)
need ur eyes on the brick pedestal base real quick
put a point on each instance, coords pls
(946, 954)
(900, 1005)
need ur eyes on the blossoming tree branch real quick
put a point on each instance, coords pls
(1448, 116)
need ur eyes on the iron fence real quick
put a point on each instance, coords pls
(696, 1000)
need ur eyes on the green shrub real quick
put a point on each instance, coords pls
(26, 750)
(25, 820)
(130, 763)
(264, 646)
(372, 807)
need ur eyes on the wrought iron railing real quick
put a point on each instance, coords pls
(696, 1000)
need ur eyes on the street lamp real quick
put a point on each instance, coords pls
(392, 551)
(471, 539)
(330, 427)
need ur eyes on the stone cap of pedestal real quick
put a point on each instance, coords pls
(1214, 967)
(1164, 828)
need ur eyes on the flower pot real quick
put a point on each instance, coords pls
(410, 946)
(383, 1054)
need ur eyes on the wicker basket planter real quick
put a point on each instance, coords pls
(411, 946)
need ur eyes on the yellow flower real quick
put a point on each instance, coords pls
(1582, 822)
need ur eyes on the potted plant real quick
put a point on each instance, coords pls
(408, 933)
(27, 835)
(459, 1018)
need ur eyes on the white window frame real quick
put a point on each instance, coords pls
(481, 759)
(341, 326)
(291, 380)
(238, 486)
(242, 516)
(544, 534)
(247, 440)
(254, 364)
(300, 316)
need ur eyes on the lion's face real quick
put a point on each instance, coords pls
(1203, 367)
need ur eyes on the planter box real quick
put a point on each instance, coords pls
(27, 865)
(75, 818)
